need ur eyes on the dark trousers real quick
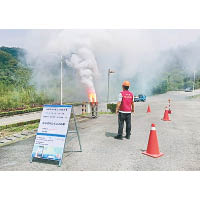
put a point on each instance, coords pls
(127, 118)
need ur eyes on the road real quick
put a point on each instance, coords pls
(19, 118)
(179, 140)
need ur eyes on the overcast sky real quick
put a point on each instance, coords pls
(162, 39)
(12, 37)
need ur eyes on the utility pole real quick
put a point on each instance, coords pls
(108, 85)
(61, 81)
(109, 72)
(193, 83)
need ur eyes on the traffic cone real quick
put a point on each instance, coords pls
(148, 109)
(152, 147)
(166, 116)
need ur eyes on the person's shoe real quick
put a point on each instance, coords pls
(127, 137)
(119, 137)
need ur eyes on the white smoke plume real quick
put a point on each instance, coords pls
(139, 56)
(83, 60)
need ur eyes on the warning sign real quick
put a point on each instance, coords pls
(52, 132)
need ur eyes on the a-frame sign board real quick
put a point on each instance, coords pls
(52, 133)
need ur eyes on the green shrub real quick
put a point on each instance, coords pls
(112, 107)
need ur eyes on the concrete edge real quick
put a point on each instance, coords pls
(32, 135)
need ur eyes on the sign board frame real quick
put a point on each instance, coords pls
(72, 113)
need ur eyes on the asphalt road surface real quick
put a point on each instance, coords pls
(179, 140)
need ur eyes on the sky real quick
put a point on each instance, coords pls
(162, 38)
(13, 37)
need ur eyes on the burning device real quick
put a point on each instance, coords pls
(83, 60)
(93, 103)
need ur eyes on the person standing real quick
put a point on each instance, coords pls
(125, 106)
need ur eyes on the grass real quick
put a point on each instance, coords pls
(22, 128)
(17, 112)
(19, 124)
(10, 130)
(102, 113)
(73, 104)
(13, 98)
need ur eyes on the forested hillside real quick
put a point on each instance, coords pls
(15, 88)
(175, 80)
(176, 76)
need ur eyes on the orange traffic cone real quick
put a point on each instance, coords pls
(166, 116)
(148, 109)
(152, 147)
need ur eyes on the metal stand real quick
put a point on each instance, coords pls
(73, 131)
(76, 129)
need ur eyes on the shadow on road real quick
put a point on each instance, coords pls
(142, 150)
(108, 134)
(51, 162)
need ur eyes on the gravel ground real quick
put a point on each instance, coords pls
(179, 140)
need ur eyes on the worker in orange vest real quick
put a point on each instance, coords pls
(125, 106)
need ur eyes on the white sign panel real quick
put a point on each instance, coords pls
(52, 132)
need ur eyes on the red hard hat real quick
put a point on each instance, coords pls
(126, 83)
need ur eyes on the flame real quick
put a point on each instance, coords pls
(92, 96)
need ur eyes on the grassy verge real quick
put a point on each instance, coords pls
(17, 112)
(18, 124)
(22, 127)
(16, 128)
(105, 113)
(73, 104)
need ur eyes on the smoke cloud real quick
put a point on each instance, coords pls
(139, 56)
(83, 60)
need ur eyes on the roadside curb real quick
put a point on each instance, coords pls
(16, 137)
(19, 124)
(16, 140)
